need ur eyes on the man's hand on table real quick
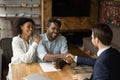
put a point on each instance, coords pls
(58, 63)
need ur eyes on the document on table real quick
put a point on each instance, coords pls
(48, 67)
(36, 76)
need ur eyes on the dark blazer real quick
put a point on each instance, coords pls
(107, 66)
(86, 61)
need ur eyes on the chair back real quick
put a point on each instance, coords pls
(6, 46)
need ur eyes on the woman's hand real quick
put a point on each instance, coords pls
(36, 38)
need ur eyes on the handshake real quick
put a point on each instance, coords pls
(67, 59)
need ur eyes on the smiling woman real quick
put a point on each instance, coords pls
(23, 44)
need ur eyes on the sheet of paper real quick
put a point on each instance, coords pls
(48, 67)
(36, 76)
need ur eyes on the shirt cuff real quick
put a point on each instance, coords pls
(75, 59)
(34, 44)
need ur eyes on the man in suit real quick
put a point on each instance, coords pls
(107, 65)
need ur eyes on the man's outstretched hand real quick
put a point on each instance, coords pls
(69, 58)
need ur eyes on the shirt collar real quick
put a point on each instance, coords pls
(101, 50)
(46, 38)
(30, 39)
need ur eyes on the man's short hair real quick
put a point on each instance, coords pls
(103, 32)
(54, 20)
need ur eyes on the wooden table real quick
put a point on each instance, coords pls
(21, 70)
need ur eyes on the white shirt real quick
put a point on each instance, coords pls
(101, 50)
(22, 52)
(59, 45)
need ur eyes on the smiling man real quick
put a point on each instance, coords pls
(53, 45)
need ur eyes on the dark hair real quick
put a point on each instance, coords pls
(21, 21)
(55, 21)
(103, 33)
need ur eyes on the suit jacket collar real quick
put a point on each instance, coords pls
(106, 51)
(102, 50)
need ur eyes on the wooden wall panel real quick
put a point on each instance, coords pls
(73, 23)
(47, 10)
